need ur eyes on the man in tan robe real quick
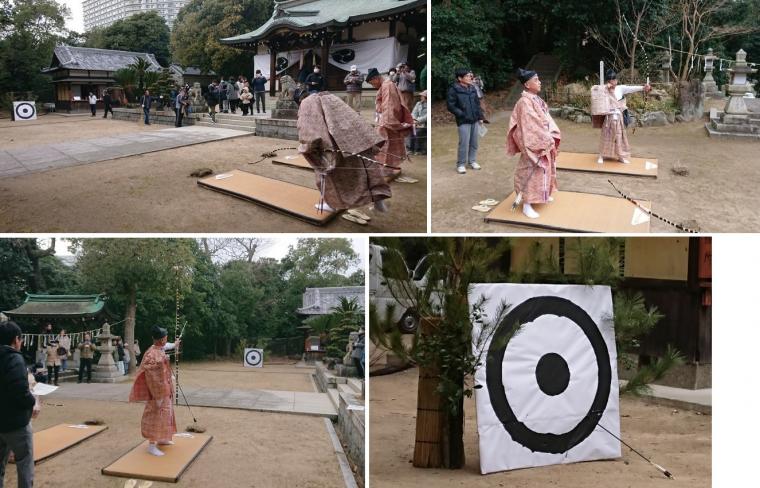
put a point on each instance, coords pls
(331, 135)
(534, 134)
(394, 122)
(613, 143)
(154, 384)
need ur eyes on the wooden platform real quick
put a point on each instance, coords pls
(578, 212)
(295, 160)
(49, 442)
(587, 162)
(137, 463)
(297, 201)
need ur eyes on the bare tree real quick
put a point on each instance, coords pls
(234, 248)
(635, 21)
(699, 22)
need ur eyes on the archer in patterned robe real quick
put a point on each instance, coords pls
(613, 143)
(394, 124)
(154, 384)
(331, 135)
(534, 134)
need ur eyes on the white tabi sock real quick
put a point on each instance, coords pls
(600, 160)
(529, 212)
(155, 451)
(624, 161)
(324, 207)
(165, 443)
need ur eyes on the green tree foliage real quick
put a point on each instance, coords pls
(145, 32)
(201, 23)
(15, 269)
(29, 30)
(134, 272)
(492, 37)
(467, 34)
(347, 317)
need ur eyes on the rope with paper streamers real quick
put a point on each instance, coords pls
(649, 212)
(44, 339)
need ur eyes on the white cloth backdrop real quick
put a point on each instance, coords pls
(543, 413)
(377, 53)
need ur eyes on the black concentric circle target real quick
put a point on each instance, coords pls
(24, 111)
(253, 357)
(526, 312)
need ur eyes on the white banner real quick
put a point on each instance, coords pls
(253, 358)
(546, 388)
(382, 54)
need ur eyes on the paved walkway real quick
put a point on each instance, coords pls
(38, 158)
(296, 402)
(697, 400)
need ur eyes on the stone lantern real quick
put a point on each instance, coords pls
(106, 371)
(711, 88)
(739, 86)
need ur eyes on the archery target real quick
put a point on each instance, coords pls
(24, 111)
(253, 358)
(548, 376)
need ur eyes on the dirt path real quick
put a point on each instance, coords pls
(154, 192)
(679, 440)
(719, 192)
(249, 448)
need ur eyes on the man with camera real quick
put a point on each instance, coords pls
(86, 353)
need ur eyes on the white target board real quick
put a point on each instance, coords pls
(253, 358)
(548, 381)
(23, 111)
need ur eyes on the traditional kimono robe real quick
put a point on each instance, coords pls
(331, 133)
(613, 143)
(392, 114)
(534, 134)
(154, 385)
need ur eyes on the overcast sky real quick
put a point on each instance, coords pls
(277, 248)
(74, 22)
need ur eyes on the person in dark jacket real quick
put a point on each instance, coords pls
(17, 407)
(107, 104)
(145, 102)
(315, 82)
(212, 99)
(259, 91)
(462, 101)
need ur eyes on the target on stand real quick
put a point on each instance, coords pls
(549, 376)
(253, 358)
(24, 111)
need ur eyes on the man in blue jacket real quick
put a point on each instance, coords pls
(462, 101)
(17, 407)
(145, 102)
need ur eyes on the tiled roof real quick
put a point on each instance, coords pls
(306, 15)
(88, 58)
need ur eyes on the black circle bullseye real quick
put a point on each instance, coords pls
(253, 357)
(552, 374)
(527, 312)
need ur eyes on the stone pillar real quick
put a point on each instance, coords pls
(272, 70)
(106, 371)
(739, 85)
(710, 87)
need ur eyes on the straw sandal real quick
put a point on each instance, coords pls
(359, 214)
(354, 219)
